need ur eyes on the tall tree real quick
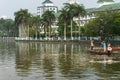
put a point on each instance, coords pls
(22, 18)
(63, 17)
(71, 8)
(43, 25)
(80, 11)
(49, 16)
(36, 23)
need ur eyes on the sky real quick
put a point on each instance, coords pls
(8, 7)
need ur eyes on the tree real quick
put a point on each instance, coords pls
(7, 28)
(105, 24)
(36, 23)
(71, 8)
(49, 17)
(22, 18)
(63, 17)
(80, 11)
(44, 25)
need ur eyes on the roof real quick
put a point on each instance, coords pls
(47, 1)
(89, 10)
(114, 6)
(102, 1)
(109, 7)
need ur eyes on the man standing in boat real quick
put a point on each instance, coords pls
(104, 46)
(91, 45)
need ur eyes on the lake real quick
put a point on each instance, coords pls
(54, 61)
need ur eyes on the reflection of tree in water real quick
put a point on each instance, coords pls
(48, 61)
(23, 60)
(71, 61)
(49, 57)
(48, 65)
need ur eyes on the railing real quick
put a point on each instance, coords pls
(59, 38)
(56, 38)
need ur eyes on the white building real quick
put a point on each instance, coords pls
(72, 1)
(103, 6)
(46, 5)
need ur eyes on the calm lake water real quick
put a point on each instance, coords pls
(53, 61)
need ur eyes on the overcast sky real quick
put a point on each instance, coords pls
(8, 7)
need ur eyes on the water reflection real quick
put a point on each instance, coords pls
(53, 61)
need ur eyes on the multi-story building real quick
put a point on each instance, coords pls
(72, 1)
(103, 6)
(46, 5)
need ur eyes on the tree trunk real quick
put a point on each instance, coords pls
(36, 32)
(79, 26)
(64, 30)
(22, 31)
(71, 22)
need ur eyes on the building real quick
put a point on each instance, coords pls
(72, 1)
(103, 6)
(46, 5)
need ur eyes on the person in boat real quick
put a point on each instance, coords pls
(91, 45)
(109, 49)
(104, 46)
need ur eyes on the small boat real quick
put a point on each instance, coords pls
(99, 52)
(113, 48)
(116, 48)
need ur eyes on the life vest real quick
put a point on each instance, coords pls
(109, 49)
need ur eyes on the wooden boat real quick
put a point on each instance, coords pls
(99, 52)
(116, 48)
(113, 48)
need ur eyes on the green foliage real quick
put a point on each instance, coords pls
(106, 24)
(48, 17)
(22, 21)
(22, 17)
(32, 32)
(7, 27)
(92, 28)
(61, 28)
(101, 1)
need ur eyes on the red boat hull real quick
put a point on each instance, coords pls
(98, 52)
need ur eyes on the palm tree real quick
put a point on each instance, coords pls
(49, 17)
(80, 11)
(71, 8)
(36, 23)
(63, 17)
(43, 25)
(22, 18)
